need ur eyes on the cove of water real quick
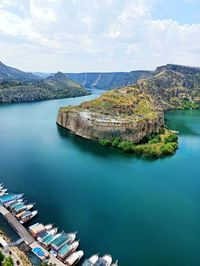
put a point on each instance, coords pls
(144, 213)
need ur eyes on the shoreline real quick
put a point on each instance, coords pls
(21, 255)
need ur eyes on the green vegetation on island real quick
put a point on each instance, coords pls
(158, 145)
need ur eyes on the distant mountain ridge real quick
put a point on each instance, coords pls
(54, 87)
(109, 80)
(10, 73)
(173, 86)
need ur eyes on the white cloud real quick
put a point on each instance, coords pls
(97, 35)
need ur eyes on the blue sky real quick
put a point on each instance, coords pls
(98, 35)
(184, 12)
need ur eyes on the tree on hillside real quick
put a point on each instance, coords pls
(8, 262)
(2, 257)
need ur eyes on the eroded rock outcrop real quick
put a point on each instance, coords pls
(127, 113)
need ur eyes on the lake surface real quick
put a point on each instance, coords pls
(145, 213)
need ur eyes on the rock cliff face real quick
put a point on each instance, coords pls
(92, 126)
(124, 113)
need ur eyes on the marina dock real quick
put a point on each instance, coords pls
(17, 226)
(56, 248)
(26, 236)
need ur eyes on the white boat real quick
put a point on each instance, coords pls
(32, 226)
(52, 232)
(108, 259)
(74, 258)
(49, 239)
(65, 238)
(28, 216)
(93, 259)
(29, 206)
(72, 237)
(66, 249)
(12, 201)
(3, 190)
(48, 227)
(20, 214)
(15, 203)
(3, 193)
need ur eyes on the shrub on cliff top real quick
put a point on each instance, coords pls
(155, 139)
(116, 141)
(171, 138)
(105, 142)
(168, 149)
(127, 146)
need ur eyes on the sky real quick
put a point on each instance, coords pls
(98, 35)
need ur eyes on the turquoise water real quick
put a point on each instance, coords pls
(145, 213)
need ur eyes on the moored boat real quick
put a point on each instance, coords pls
(63, 239)
(66, 249)
(48, 227)
(20, 214)
(91, 261)
(7, 205)
(3, 193)
(29, 206)
(106, 260)
(49, 240)
(74, 258)
(37, 229)
(28, 216)
(52, 232)
(14, 204)
(18, 207)
(32, 226)
(4, 190)
(10, 197)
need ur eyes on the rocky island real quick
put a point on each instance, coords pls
(132, 118)
(127, 113)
